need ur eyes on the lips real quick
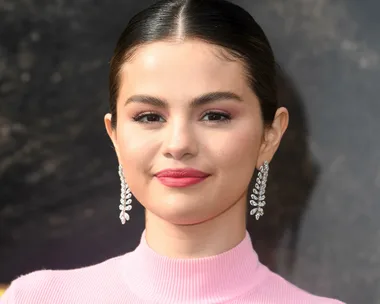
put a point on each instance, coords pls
(181, 177)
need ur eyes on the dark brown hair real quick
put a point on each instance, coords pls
(217, 22)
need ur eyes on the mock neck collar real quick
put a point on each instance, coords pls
(215, 279)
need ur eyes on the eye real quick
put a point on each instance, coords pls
(217, 116)
(148, 118)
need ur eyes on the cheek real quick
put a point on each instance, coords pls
(135, 150)
(236, 164)
(239, 150)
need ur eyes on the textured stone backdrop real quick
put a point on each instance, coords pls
(58, 173)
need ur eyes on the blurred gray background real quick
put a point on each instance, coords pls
(59, 189)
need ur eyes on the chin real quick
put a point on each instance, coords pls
(183, 215)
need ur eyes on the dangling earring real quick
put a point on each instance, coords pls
(258, 196)
(125, 198)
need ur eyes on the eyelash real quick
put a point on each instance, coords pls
(225, 117)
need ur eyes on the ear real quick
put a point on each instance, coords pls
(272, 136)
(111, 132)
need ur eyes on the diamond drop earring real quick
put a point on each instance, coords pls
(125, 198)
(258, 195)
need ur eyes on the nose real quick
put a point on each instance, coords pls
(180, 141)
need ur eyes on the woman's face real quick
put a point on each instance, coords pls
(168, 119)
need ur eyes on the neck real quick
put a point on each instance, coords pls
(208, 238)
(201, 275)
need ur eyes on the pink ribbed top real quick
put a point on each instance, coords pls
(143, 276)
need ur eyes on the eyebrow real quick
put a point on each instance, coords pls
(197, 101)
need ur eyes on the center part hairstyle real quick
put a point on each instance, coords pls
(217, 22)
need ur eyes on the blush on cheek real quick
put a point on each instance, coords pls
(137, 147)
(242, 148)
(134, 145)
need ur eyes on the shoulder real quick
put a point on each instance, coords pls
(27, 286)
(279, 290)
(47, 286)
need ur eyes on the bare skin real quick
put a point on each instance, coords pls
(224, 137)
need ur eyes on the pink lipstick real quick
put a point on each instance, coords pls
(181, 177)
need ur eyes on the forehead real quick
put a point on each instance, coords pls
(181, 69)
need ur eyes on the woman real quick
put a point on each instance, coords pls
(193, 114)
